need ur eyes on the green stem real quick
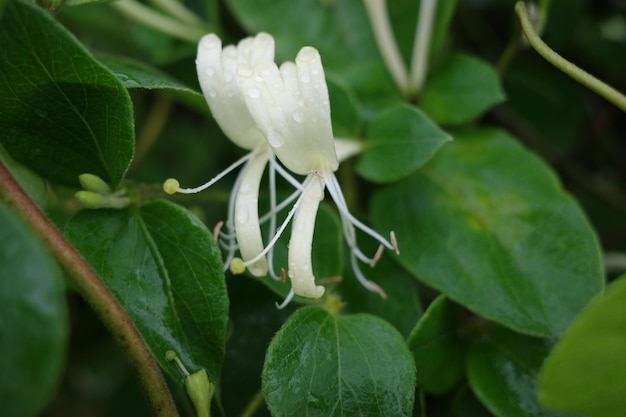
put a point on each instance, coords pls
(421, 47)
(567, 67)
(254, 404)
(148, 17)
(152, 128)
(96, 294)
(379, 19)
(178, 10)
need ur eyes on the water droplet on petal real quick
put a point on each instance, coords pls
(209, 71)
(245, 188)
(242, 215)
(254, 92)
(298, 117)
(305, 77)
(228, 76)
(275, 139)
(244, 71)
(212, 93)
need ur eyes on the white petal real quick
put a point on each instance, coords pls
(300, 267)
(216, 73)
(290, 105)
(247, 227)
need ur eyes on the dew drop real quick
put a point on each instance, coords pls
(245, 188)
(298, 117)
(244, 71)
(275, 139)
(212, 93)
(305, 77)
(209, 71)
(242, 215)
(228, 76)
(254, 92)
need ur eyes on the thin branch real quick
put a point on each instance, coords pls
(561, 63)
(96, 294)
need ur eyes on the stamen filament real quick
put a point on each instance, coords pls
(281, 229)
(335, 191)
(219, 176)
(286, 301)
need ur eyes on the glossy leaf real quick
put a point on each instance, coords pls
(344, 110)
(402, 308)
(586, 372)
(437, 348)
(320, 364)
(502, 371)
(164, 267)
(62, 113)
(399, 140)
(461, 90)
(487, 223)
(33, 324)
(134, 74)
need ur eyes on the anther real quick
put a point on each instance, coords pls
(331, 280)
(377, 255)
(283, 275)
(217, 229)
(374, 287)
(394, 242)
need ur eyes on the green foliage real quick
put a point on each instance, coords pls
(164, 267)
(321, 364)
(504, 248)
(498, 176)
(52, 84)
(33, 328)
(590, 351)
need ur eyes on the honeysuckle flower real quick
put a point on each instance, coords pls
(216, 68)
(290, 106)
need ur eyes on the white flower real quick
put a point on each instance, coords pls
(216, 69)
(290, 106)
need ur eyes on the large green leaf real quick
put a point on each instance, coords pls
(320, 364)
(437, 347)
(164, 267)
(461, 90)
(502, 370)
(486, 223)
(61, 112)
(586, 372)
(400, 140)
(33, 324)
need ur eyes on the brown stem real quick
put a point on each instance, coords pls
(96, 294)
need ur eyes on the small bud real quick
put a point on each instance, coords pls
(171, 185)
(94, 183)
(237, 266)
(200, 390)
(92, 200)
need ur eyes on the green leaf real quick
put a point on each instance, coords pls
(33, 324)
(400, 140)
(586, 372)
(32, 183)
(461, 90)
(437, 347)
(487, 223)
(502, 370)
(344, 109)
(402, 307)
(320, 364)
(164, 267)
(62, 113)
(134, 74)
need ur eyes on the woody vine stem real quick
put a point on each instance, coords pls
(95, 293)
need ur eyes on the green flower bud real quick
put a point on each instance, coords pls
(94, 183)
